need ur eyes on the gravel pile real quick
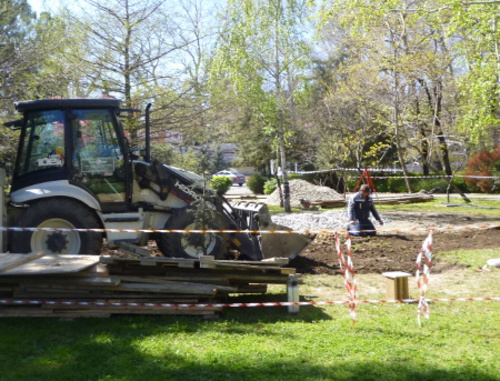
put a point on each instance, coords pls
(332, 219)
(302, 189)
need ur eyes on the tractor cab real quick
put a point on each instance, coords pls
(76, 140)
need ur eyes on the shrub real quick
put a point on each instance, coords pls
(256, 183)
(486, 163)
(270, 186)
(221, 184)
(395, 184)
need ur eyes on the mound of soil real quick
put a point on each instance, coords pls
(390, 252)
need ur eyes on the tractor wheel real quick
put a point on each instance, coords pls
(190, 245)
(57, 213)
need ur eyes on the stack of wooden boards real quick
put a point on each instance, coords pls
(91, 286)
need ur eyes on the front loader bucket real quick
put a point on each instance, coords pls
(272, 244)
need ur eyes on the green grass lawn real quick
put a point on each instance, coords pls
(476, 206)
(480, 207)
(460, 341)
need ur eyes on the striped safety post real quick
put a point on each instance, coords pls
(347, 269)
(425, 254)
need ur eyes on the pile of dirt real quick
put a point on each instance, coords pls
(301, 189)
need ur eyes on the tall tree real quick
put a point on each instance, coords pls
(404, 46)
(261, 56)
(16, 45)
(17, 61)
(127, 46)
(476, 27)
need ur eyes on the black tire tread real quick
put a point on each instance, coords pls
(170, 243)
(64, 208)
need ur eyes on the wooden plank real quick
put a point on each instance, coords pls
(72, 282)
(267, 262)
(73, 278)
(178, 287)
(134, 250)
(159, 280)
(216, 265)
(152, 261)
(11, 261)
(171, 288)
(55, 264)
(252, 289)
(276, 261)
(52, 294)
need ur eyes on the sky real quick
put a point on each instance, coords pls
(44, 5)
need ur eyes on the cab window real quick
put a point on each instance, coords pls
(97, 154)
(42, 145)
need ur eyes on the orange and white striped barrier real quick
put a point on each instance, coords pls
(423, 282)
(14, 302)
(347, 269)
(389, 170)
(212, 231)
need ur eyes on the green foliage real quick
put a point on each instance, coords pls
(256, 183)
(477, 25)
(163, 152)
(188, 161)
(221, 184)
(218, 162)
(395, 184)
(271, 185)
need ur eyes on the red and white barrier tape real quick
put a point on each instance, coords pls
(14, 302)
(345, 170)
(423, 283)
(432, 177)
(347, 269)
(310, 231)
(390, 171)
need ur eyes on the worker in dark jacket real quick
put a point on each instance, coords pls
(358, 210)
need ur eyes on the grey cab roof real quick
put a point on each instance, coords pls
(47, 104)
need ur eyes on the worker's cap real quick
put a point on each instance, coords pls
(365, 187)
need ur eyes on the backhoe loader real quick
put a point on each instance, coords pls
(75, 172)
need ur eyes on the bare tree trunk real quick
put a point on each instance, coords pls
(424, 140)
(281, 134)
(443, 145)
(398, 140)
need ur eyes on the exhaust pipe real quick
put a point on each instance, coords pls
(147, 154)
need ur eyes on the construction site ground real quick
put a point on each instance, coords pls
(391, 251)
(399, 241)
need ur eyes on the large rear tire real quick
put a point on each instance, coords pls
(57, 213)
(190, 245)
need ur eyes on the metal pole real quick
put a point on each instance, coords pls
(147, 156)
